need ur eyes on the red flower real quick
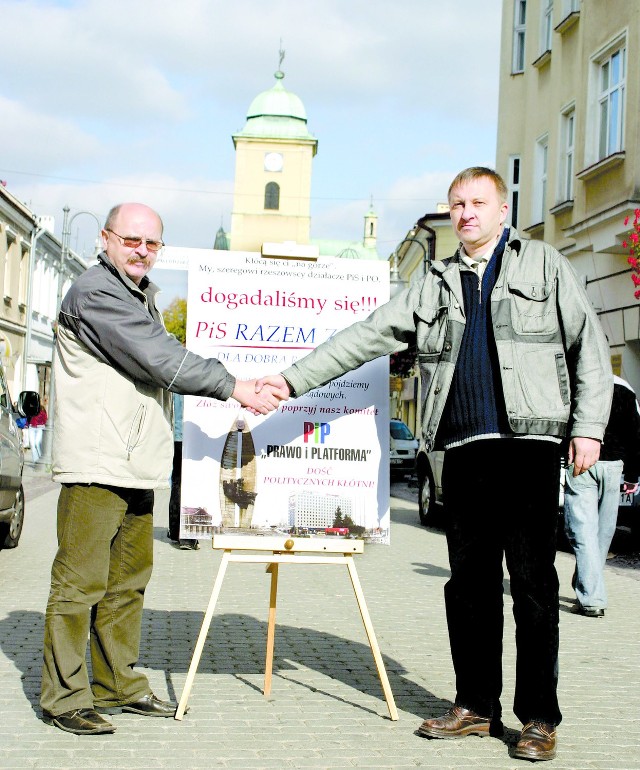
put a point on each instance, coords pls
(632, 244)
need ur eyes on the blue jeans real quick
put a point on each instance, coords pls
(590, 516)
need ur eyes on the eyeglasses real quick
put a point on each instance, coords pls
(133, 243)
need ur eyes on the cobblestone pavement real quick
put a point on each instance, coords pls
(326, 708)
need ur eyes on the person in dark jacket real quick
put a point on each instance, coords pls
(115, 370)
(591, 500)
(176, 479)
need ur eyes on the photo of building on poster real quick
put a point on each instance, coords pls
(319, 464)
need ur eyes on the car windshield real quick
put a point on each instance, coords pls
(400, 431)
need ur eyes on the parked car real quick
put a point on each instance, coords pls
(629, 514)
(429, 473)
(12, 460)
(403, 447)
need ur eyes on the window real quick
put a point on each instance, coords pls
(546, 30)
(514, 188)
(611, 98)
(570, 6)
(272, 196)
(519, 24)
(567, 131)
(540, 177)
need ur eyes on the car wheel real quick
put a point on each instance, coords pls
(426, 494)
(10, 531)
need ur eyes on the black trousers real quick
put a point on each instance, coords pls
(501, 501)
(174, 497)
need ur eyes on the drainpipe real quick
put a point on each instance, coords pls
(431, 240)
(35, 235)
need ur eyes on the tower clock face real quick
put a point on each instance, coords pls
(273, 161)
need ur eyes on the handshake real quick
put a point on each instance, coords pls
(262, 395)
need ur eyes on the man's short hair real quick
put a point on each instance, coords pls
(113, 215)
(477, 172)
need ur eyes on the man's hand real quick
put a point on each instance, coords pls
(583, 453)
(257, 401)
(278, 384)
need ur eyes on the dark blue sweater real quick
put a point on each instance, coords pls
(475, 405)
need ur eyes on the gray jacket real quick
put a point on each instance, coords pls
(553, 355)
(115, 364)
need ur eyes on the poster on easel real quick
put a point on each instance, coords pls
(317, 466)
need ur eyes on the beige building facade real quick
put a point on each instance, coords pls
(568, 145)
(32, 276)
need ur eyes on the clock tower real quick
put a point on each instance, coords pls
(274, 153)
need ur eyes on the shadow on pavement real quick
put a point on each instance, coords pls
(235, 645)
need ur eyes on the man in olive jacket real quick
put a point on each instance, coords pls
(512, 360)
(114, 368)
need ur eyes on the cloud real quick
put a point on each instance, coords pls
(37, 140)
(122, 92)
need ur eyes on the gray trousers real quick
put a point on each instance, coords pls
(98, 579)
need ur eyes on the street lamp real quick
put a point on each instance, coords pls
(47, 438)
(64, 252)
(396, 283)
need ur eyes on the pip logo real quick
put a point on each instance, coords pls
(316, 431)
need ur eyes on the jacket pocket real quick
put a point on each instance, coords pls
(135, 430)
(533, 308)
(431, 329)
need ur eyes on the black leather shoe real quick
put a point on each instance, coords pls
(588, 612)
(79, 722)
(148, 706)
(537, 742)
(189, 545)
(458, 722)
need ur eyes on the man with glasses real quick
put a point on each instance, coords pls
(115, 370)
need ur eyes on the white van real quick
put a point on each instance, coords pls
(403, 447)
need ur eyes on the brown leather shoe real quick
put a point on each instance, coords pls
(537, 742)
(458, 722)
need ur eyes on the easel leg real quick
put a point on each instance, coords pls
(204, 630)
(271, 628)
(382, 673)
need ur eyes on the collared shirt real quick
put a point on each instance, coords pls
(479, 264)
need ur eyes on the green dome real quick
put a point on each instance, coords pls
(276, 114)
(277, 101)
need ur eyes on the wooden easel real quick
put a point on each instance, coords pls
(274, 551)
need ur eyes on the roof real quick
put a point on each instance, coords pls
(276, 114)
(345, 249)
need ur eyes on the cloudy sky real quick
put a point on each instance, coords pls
(109, 100)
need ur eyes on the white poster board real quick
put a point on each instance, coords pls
(319, 461)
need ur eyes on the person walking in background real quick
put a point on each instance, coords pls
(591, 500)
(176, 479)
(36, 429)
(512, 359)
(116, 368)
